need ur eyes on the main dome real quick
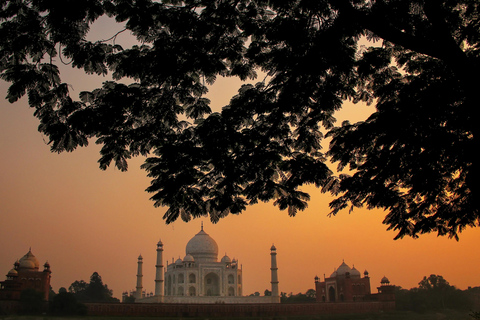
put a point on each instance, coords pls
(343, 269)
(202, 247)
(29, 262)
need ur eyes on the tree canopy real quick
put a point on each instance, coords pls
(94, 291)
(415, 156)
(434, 293)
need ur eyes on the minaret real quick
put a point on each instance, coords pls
(138, 293)
(159, 282)
(274, 269)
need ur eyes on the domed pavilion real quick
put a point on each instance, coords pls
(346, 284)
(25, 274)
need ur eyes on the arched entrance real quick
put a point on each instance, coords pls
(331, 294)
(211, 285)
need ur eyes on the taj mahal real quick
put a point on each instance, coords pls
(200, 278)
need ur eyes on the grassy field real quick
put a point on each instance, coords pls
(448, 315)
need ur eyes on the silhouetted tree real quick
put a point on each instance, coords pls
(311, 293)
(415, 156)
(434, 293)
(308, 296)
(78, 288)
(94, 291)
(433, 282)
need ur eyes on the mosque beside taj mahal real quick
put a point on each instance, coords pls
(200, 278)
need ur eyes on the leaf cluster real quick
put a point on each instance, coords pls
(414, 157)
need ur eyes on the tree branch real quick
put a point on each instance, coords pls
(433, 45)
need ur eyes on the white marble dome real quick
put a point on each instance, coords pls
(188, 258)
(226, 259)
(29, 262)
(202, 247)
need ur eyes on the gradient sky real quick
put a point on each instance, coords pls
(82, 220)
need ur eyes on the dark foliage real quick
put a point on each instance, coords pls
(308, 296)
(433, 294)
(415, 156)
(65, 304)
(94, 291)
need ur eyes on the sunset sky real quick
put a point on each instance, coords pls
(82, 220)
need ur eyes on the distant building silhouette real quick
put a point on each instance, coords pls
(346, 284)
(26, 275)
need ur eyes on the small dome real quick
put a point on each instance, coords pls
(12, 272)
(202, 247)
(178, 261)
(226, 259)
(354, 273)
(188, 258)
(384, 280)
(29, 262)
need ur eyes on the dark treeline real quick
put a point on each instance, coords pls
(434, 293)
(71, 302)
(67, 302)
(308, 296)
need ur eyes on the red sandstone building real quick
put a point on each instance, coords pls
(26, 275)
(347, 285)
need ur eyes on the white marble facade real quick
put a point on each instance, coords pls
(200, 278)
(201, 274)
